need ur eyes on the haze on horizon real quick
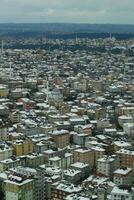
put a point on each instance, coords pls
(67, 11)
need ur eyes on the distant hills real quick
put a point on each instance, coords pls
(38, 29)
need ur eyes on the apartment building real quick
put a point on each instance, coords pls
(61, 190)
(61, 138)
(84, 155)
(17, 188)
(107, 165)
(5, 152)
(62, 161)
(123, 176)
(126, 158)
(22, 147)
(122, 192)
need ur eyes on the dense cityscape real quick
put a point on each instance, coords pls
(67, 119)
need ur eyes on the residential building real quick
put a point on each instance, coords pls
(61, 138)
(84, 155)
(123, 176)
(119, 193)
(17, 188)
(107, 165)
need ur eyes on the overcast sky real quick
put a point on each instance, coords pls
(79, 11)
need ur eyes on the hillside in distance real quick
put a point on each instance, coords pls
(63, 28)
(65, 31)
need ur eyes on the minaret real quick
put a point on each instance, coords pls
(2, 46)
(76, 39)
(10, 64)
(47, 90)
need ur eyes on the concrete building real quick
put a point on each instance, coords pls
(119, 193)
(123, 176)
(61, 190)
(99, 152)
(126, 158)
(15, 116)
(77, 197)
(84, 155)
(123, 119)
(79, 138)
(83, 168)
(5, 152)
(63, 162)
(45, 177)
(121, 144)
(17, 188)
(3, 132)
(61, 138)
(128, 128)
(34, 160)
(4, 91)
(12, 162)
(107, 165)
(72, 176)
(22, 147)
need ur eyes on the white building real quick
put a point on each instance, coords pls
(128, 128)
(122, 193)
(62, 162)
(123, 176)
(125, 119)
(107, 165)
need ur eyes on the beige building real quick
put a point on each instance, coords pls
(126, 158)
(61, 138)
(99, 152)
(84, 155)
(22, 147)
(3, 90)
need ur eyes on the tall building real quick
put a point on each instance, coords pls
(84, 155)
(61, 190)
(3, 131)
(61, 138)
(23, 147)
(121, 193)
(107, 165)
(126, 158)
(5, 152)
(17, 188)
(3, 90)
(123, 176)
